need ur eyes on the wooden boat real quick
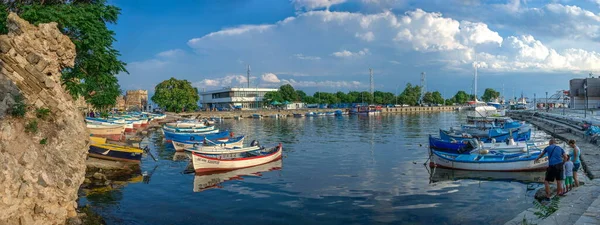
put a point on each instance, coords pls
(112, 132)
(180, 146)
(256, 116)
(488, 162)
(223, 151)
(96, 121)
(102, 150)
(298, 115)
(468, 145)
(186, 124)
(230, 161)
(188, 130)
(208, 181)
(214, 134)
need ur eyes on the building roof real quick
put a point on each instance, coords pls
(238, 89)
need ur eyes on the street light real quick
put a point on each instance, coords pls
(586, 98)
(534, 103)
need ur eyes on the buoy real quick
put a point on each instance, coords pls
(484, 151)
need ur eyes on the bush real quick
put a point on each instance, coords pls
(31, 127)
(42, 113)
(544, 211)
(19, 108)
(44, 141)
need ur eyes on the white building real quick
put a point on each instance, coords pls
(230, 98)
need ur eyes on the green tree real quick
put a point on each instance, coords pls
(428, 98)
(365, 97)
(288, 93)
(450, 101)
(490, 94)
(343, 97)
(272, 96)
(437, 97)
(301, 95)
(310, 100)
(176, 95)
(353, 97)
(410, 95)
(461, 97)
(85, 22)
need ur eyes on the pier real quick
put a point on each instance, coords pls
(291, 112)
(581, 205)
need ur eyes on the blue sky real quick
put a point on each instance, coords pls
(529, 46)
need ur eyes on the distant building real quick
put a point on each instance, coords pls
(230, 98)
(120, 103)
(577, 93)
(295, 105)
(136, 100)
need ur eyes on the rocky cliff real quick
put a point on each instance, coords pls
(40, 171)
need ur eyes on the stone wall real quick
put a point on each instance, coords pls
(136, 99)
(39, 182)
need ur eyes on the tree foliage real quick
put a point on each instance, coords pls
(288, 93)
(410, 95)
(272, 96)
(461, 97)
(490, 94)
(176, 95)
(85, 22)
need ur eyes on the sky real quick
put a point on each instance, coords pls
(517, 46)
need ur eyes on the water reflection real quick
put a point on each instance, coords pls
(442, 174)
(210, 181)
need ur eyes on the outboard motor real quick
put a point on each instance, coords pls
(254, 143)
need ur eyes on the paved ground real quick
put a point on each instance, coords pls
(581, 205)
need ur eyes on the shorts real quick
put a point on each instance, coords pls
(569, 180)
(576, 167)
(554, 172)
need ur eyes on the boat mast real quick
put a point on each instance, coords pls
(475, 84)
(248, 76)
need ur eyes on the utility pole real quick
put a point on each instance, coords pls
(586, 97)
(547, 107)
(248, 76)
(534, 103)
(423, 86)
(372, 86)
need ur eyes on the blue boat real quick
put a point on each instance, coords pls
(452, 147)
(193, 136)
(468, 145)
(493, 134)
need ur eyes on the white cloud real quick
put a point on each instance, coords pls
(227, 81)
(327, 84)
(315, 4)
(170, 53)
(525, 53)
(368, 36)
(306, 57)
(348, 54)
(270, 78)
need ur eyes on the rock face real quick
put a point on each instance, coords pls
(39, 182)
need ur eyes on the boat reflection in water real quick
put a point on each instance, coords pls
(206, 181)
(442, 174)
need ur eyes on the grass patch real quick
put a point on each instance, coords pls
(544, 211)
(19, 108)
(42, 113)
(32, 127)
(44, 141)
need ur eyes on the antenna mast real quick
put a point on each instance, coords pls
(475, 82)
(372, 86)
(423, 86)
(248, 76)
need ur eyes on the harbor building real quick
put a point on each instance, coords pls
(577, 93)
(234, 98)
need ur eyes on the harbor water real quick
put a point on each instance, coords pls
(335, 170)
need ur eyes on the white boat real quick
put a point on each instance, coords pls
(222, 152)
(188, 130)
(489, 162)
(212, 180)
(218, 162)
(226, 142)
(186, 124)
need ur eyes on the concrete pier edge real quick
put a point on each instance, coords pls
(581, 205)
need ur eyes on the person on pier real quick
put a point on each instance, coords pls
(556, 157)
(576, 159)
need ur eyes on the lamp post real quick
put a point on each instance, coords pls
(547, 107)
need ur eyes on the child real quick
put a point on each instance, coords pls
(568, 168)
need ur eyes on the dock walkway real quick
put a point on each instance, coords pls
(581, 205)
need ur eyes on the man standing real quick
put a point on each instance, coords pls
(556, 157)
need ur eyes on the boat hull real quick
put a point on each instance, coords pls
(195, 136)
(213, 180)
(181, 146)
(204, 164)
(97, 151)
(438, 160)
